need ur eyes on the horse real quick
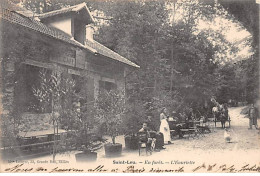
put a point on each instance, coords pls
(220, 115)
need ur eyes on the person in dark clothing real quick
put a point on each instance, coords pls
(145, 128)
(224, 115)
(222, 119)
(175, 124)
(154, 132)
(226, 110)
(149, 138)
(253, 114)
(184, 120)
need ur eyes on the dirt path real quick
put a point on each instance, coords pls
(243, 137)
(212, 147)
(244, 148)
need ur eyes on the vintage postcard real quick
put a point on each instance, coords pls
(129, 86)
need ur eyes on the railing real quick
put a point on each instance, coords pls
(28, 145)
(30, 150)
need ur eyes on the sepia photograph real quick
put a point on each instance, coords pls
(129, 86)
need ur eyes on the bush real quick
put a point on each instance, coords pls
(110, 109)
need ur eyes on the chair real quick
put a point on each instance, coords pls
(202, 128)
(172, 133)
(210, 124)
(185, 131)
(193, 129)
(143, 142)
(172, 126)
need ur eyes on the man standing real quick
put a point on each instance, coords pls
(253, 114)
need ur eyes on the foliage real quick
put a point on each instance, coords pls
(52, 89)
(86, 133)
(247, 13)
(239, 81)
(75, 115)
(247, 71)
(180, 61)
(247, 76)
(173, 60)
(135, 115)
(43, 6)
(110, 109)
(8, 131)
(178, 58)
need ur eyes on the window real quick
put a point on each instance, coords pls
(107, 86)
(27, 77)
(80, 90)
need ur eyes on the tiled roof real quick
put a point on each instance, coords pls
(35, 25)
(11, 15)
(74, 8)
(101, 49)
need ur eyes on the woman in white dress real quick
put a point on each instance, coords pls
(164, 127)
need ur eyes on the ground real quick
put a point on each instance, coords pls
(210, 150)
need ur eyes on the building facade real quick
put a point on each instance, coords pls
(60, 41)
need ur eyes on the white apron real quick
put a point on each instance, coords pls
(165, 130)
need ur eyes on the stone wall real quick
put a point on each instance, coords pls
(8, 122)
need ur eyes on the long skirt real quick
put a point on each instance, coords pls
(165, 130)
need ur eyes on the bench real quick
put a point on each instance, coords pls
(172, 132)
(189, 132)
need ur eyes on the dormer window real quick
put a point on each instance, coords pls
(71, 20)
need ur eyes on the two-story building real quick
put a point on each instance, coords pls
(61, 40)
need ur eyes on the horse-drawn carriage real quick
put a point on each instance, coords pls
(220, 114)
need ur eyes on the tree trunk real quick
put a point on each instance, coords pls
(171, 85)
(54, 137)
(155, 85)
(54, 142)
(113, 139)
